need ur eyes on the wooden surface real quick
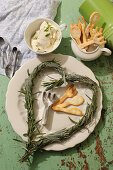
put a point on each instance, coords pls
(96, 152)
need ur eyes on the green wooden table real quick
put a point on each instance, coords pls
(96, 152)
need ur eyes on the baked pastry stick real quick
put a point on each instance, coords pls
(92, 21)
(98, 39)
(70, 92)
(75, 100)
(74, 111)
(82, 26)
(76, 33)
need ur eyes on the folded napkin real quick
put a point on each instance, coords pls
(14, 18)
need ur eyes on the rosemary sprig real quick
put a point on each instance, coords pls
(47, 35)
(63, 134)
(53, 83)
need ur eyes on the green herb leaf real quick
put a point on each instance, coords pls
(47, 35)
(34, 38)
(72, 121)
(51, 28)
(48, 28)
(25, 134)
(88, 97)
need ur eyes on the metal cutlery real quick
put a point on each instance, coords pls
(48, 99)
(10, 68)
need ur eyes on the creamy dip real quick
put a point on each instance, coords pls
(46, 38)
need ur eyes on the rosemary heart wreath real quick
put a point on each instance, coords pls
(33, 126)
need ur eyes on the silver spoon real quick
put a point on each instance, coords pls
(15, 51)
(10, 69)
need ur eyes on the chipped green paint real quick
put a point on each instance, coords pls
(95, 153)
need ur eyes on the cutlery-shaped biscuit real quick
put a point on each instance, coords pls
(88, 35)
(83, 26)
(74, 111)
(91, 31)
(75, 101)
(98, 39)
(100, 31)
(92, 21)
(94, 32)
(70, 92)
(75, 33)
(94, 17)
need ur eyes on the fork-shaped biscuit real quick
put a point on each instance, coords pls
(82, 26)
(98, 39)
(76, 100)
(70, 92)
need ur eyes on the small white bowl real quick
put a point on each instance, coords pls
(34, 26)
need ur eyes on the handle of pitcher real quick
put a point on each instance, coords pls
(106, 51)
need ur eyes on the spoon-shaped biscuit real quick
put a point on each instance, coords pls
(75, 101)
(75, 33)
(93, 19)
(74, 111)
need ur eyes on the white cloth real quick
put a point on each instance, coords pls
(15, 15)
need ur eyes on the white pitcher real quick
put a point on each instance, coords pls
(93, 53)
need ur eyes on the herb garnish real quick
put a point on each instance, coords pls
(49, 27)
(47, 35)
(34, 38)
(33, 126)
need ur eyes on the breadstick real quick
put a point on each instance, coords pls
(82, 27)
(92, 21)
(101, 29)
(80, 24)
(75, 32)
(103, 42)
(96, 30)
(75, 25)
(91, 31)
(70, 92)
(82, 46)
(94, 17)
(74, 111)
(75, 101)
(96, 40)
(87, 30)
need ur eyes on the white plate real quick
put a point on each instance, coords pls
(56, 121)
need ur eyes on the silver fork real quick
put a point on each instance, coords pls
(5, 52)
(48, 99)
